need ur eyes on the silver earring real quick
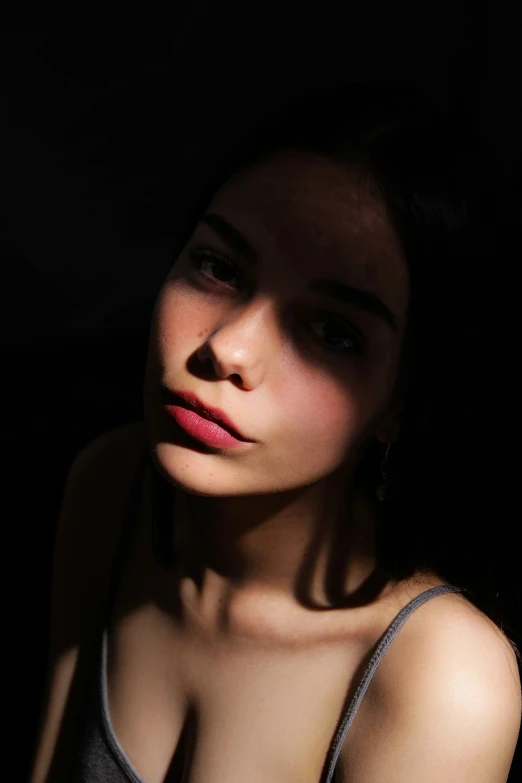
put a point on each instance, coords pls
(381, 489)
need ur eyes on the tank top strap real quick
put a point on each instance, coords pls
(132, 508)
(370, 670)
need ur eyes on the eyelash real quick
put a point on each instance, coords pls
(198, 256)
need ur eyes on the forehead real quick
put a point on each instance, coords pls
(318, 213)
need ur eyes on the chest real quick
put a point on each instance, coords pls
(194, 708)
(191, 712)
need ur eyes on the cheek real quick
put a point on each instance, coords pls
(329, 412)
(325, 415)
(179, 318)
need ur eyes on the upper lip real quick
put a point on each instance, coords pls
(189, 400)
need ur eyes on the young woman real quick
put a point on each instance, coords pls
(256, 583)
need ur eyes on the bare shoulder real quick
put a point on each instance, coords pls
(96, 490)
(447, 631)
(105, 465)
(445, 702)
(124, 443)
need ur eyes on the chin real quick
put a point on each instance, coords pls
(183, 468)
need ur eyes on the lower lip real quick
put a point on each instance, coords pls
(202, 429)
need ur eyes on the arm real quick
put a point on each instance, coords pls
(87, 531)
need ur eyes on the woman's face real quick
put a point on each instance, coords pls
(305, 374)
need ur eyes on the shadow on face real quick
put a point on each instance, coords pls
(287, 310)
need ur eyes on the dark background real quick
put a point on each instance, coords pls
(109, 127)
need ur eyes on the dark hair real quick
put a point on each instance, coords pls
(455, 219)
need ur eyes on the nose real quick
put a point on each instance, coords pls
(242, 345)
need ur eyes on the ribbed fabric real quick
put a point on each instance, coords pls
(101, 759)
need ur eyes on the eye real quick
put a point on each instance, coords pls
(340, 334)
(346, 339)
(222, 266)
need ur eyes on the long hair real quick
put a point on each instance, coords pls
(456, 221)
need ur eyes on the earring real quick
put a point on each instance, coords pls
(381, 489)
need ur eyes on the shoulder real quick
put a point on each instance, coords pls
(92, 507)
(88, 528)
(99, 476)
(124, 443)
(444, 704)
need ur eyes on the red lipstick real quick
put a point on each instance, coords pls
(203, 422)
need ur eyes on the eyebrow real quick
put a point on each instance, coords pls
(344, 293)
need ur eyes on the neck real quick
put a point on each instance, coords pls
(306, 549)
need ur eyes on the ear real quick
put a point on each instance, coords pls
(389, 423)
(388, 428)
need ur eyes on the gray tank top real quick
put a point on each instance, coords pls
(101, 758)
